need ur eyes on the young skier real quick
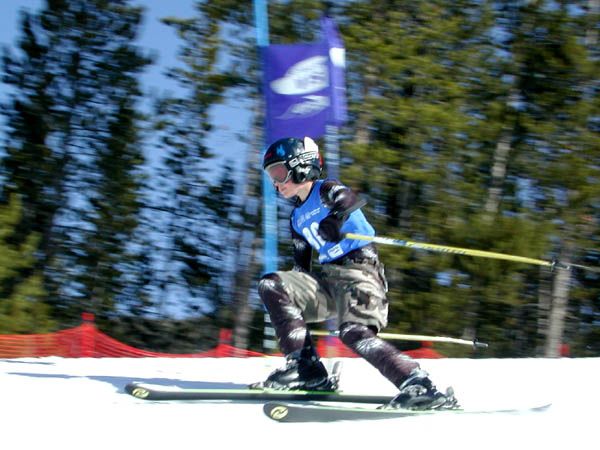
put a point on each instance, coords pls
(351, 283)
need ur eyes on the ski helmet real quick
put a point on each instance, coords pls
(300, 157)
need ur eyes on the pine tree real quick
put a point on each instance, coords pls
(557, 89)
(113, 259)
(75, 79)
(459, 134)
(22, 309)
(225, 249)
(448, 143)
(414, 150)
(191, 224)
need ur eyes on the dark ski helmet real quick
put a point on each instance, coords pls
(300, 157)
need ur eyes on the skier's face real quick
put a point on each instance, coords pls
(287, 188)
(290, 189)
(279, 173)
(281, 177)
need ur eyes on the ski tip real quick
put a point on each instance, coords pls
(137, 390)
(276, 411)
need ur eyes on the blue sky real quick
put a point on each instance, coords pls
(229, 119)
(155, 36)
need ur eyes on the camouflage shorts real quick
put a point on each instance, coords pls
(351, 293)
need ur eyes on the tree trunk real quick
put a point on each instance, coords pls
(558, 310)
(492, 205)
(246, 273)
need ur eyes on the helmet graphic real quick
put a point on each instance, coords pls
(299, 156)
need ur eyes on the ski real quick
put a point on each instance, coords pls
(289, 412)
(165, 393)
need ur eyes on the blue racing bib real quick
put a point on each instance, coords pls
(307, 216)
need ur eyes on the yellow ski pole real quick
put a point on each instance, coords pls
(466, 251)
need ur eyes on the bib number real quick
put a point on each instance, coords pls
(312, 236)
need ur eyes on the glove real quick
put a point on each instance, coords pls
(330, 229)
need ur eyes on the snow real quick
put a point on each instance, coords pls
(59, 403)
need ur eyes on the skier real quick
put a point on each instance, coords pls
(351, 283)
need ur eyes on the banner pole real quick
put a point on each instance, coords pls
(261, 19)
(332, 148)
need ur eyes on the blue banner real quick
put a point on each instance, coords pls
(304, 86)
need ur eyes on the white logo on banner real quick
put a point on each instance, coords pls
(312, 104)
(305, 77)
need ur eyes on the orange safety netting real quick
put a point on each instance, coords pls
(87, 341)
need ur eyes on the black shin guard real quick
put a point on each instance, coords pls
(285, 316)
(386, 358)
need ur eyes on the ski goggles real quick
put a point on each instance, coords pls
(279, 173)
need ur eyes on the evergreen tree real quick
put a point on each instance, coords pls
(111, 252)
(224, 249)
(191, 223)
(22, 309)
(71, 150)
(557, 93)
(459, 134)
(415, 149)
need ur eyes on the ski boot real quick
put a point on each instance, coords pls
(300, 373)
(417, 392)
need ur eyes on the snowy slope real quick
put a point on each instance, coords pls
(55, 403)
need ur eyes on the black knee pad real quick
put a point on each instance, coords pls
(351, 333)
(272, 292)
(270, 282)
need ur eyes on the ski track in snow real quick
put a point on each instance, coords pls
(58, 403)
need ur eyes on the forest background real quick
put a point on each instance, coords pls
(472, 123)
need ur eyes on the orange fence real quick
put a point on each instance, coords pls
(87, 341)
